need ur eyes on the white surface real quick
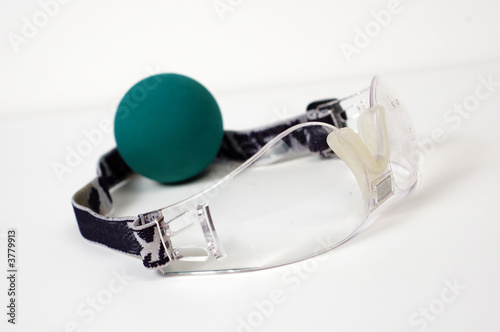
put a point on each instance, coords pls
(89, 52)
(448, 229)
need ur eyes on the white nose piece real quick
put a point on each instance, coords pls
(367, 154)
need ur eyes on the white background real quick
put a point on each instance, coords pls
(262, 60)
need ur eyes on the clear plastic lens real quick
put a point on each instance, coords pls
(264, 216)
(279, 213)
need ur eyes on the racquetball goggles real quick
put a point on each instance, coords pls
(306, 186)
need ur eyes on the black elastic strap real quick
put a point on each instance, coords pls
(241, 145)
(93, 201)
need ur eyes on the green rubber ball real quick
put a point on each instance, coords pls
(168, 127)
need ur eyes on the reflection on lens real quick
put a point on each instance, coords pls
(401, 134)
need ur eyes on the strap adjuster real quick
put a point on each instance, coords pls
(327, 110)
(188, 236)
